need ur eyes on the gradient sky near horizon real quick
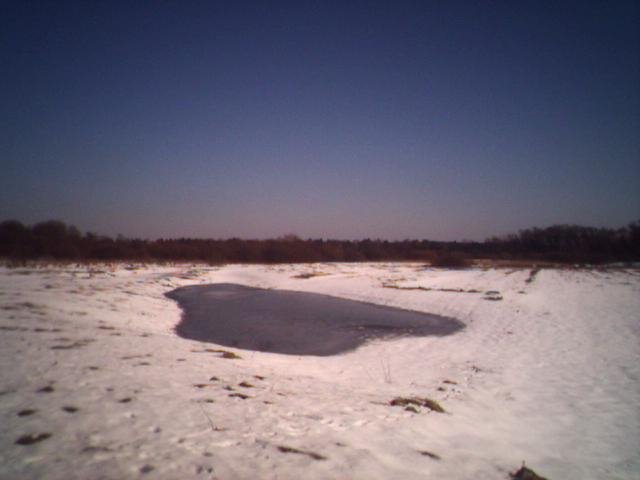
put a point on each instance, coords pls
(439, 120)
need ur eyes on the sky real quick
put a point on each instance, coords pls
(432, 120)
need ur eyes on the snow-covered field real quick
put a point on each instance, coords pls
(547, 372)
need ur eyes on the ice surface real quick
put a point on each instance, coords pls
(294, 323)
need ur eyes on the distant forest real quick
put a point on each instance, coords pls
(55, 240)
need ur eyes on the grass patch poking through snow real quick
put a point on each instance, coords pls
(306, 275)
(31, 439)
(223, 353)
(412, 402)
(313, 455)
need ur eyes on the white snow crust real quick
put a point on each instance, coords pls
(546, 372)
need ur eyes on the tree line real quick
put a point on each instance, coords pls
(560, 243)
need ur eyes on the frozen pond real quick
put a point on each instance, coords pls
(295, 323)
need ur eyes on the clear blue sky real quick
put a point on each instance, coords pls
(440, 120)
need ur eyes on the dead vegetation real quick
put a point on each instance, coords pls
(429, 454)
(13, 328)
(26, 412)
(492, 295)
(429, 289)
(96, 449)
(306, 275)
(32, 438)
(146, 468)
(76, 344)
(312, 455)
(222, 353)
(450, 259)
(242, 396)
(131, 357)
(525, 473)
(411, 403)
(532, 275)
(567, 244)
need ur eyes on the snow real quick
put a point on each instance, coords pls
(548, 374)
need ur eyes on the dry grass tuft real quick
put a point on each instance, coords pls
(313, 455)
(532, 275)
(417, 402)
(223, 353)
(429, 454)
(307, 275)
(31, 439)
